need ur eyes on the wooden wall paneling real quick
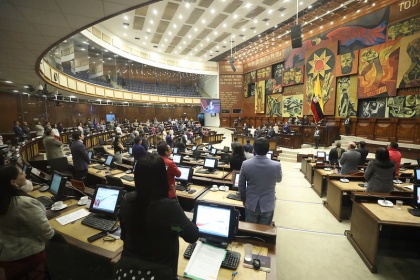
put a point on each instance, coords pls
(225, 122)
(381, 130)
(407, 131)
(308, 134)
(364, 128)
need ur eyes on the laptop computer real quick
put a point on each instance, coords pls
(104, 208)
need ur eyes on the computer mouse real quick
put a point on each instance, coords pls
(128, 171)
(256, 263)
(44, 188)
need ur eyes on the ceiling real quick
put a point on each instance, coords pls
(199, 29)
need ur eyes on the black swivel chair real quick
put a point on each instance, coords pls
(114, 181)
(61, 165)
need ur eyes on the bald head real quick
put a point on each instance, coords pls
(351, 145)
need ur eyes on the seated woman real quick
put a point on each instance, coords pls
(238, 156)
(380, 172)
(335, 153)
(24, 228)
(151, 224)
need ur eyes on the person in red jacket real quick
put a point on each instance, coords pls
(172, 170)
(395, 156)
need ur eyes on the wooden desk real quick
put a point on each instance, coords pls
(309, 175)
(320, 180)
(76, 234)
(338, 198)
(218, 174)
(219, 197)
(291, 141)
(369, 221)
(102, 173)
(187, 200)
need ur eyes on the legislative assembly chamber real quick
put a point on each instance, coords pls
(329, 91)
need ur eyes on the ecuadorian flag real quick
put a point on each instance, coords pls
(317, 104)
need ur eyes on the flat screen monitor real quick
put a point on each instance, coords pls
(210, 163)
(110, 117)
(235, 179)
(57, 185)
(177, 159)
(175, 150)
(213, 151)
(109, 160)
(196, 154)
(416, 195)
(209, 147)
(216, 223)
(226, 149)
(417, 175)
(270, 152)
(26, 169)
(194, 148)
(90, 154)
(210, 106)
(327, 158)
(186, 175)
(225, 158)
(269, 156)
(105, 200)
(130, 150)
(320, 154)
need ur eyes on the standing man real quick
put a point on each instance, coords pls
(317, 137)
(172, 170)
(363, 152)
(18, 130)
(80, 156)
(53, 147)
(347, 125)
(350, 160)
(395, 156)
(257, 184)
(245, 130)
(138, 149)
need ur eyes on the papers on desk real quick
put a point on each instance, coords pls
(205, 262)
(410, 187)
(74, 216)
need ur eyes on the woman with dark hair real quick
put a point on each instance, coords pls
(238, 156)
(118, 149)
(24, 228)
(335, 153)
(380, 172)
(151, 224)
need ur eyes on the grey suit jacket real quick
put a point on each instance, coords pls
(53, 147)
(349, 161)
(80, 157)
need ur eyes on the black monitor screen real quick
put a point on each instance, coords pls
(209, 147)
(130, 150)
(90, 154)
(109, 160)
(224, 157)
(175, 150)
(177, 159)
(235, 179)
(210, 163)
(416, 191)
(185, 174)
(213, 151)
(55, 183)
(216, 223)
(417, 175)
(105, 200)
(226, 149)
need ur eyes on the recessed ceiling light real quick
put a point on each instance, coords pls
(125, 34)
(255, 21)
(213, 11)
(174, 25)
(125, 17)
(15, 90)
(148, 30)
(203, 21)
(155, 11)
(235, 16)
(166, 40)
(180, 16)
(145, 37)
(125, 25)
(151, 21)
(170, 33)
(8, 82)
(189, 36)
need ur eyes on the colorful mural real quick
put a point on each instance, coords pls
(346, 104)
(292, 106)
(320, 66)
(372, 108)
(274, 105)
(269, 86)
(260, 97)
(347, 63)
(409, 62)
(293, 76)
(401, 107)
(404, 28)
(378, 67)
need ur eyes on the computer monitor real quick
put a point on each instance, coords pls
(327, 158)
(213, 151)
(235, 179)
(225, 158)
(57, 185)
(210, 164)
(320, 154)
(417, 175)
(90, 155)
(269, 156)
(196, 154)
(105, 200)
(194, 148)
(26, 169)
(109, 160)
(99, 150)
(216, 223)
(177, 159)
(209, 147)
(270, 152)
(226, 149)
(175, 150)
(186, 175)
(416, 196)
(130, 150)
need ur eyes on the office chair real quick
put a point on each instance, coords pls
(80, 185)
(101, 141)
(114, 181)
(61, 165)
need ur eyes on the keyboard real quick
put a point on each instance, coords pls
(234, 196)
(231, 260)
(127, 178)
(203, 172)
(128, 156)
(180, 188)
(414, 212)
(99, 167)
(46, 201)
(99, 222)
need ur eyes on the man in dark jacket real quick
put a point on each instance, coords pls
(80, 156)
(363, 152)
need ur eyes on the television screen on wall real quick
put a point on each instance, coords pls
(210, 106)
(110, 117)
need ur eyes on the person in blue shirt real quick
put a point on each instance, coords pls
(286, 128)
(138, 149)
